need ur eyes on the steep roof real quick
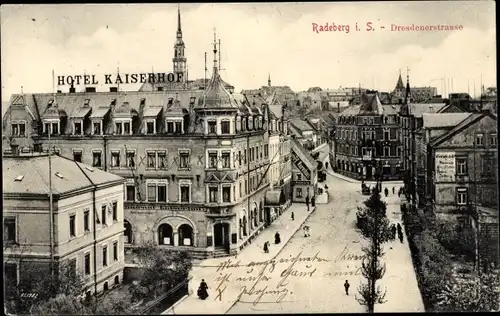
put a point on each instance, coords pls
(216, 96)
(301, 151)
(469, 120)
(370, 104)
(435, 120)
(400, 85)
(67, 175)
(197, 84)
(417, 109)
(302, 125)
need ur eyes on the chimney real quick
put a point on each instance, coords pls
(72, 89)
(113, 89)
(338, 107)
(90, 89)
(59, 91)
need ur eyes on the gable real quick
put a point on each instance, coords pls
(452, 108)
(212, 178)
(465, 138)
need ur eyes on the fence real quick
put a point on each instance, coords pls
(167, 299)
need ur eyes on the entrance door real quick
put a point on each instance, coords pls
(221, 235)
(369, 172)
(267, 216)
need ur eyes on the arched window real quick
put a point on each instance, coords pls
(185, 235)
(128, 232)
(117, 280)
(165, 235)
(105, 287)
(244, 225)
(241, 229)
(255, 216)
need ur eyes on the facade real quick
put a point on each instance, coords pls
(367, 141)
(304, 173)
(87, 223)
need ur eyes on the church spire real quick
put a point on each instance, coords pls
(408, 90)
(179, 60)
(215, 52)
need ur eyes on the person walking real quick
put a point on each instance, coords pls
(326, 165)
(393, 231)
(346, 287)
(307, 202)
(386, 192)
(277, 238)
(399, 192)
(266, 248)
(400, 235)
(293, 216)
(202, 290)
(400, 229)
(393, 190)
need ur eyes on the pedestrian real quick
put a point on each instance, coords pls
(307, 202)
(393, 190)
(400, 229)
(277, 238)
(386, 192)
(346, 287)
(393, 231)
(202, 290)
(266, 248)
(313, 201)
(326, 165)
(293, 217)
(399, 192)
(400, 235)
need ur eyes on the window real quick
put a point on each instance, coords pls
(119, 130)
(241, 192)
(46, 128)
(86, 221)
(266, 150)
(162, 160)
(226, 160)
(9, 229)
(130, 159)
(212, 159)
(487, 165)
(78, 128)
(399, 151)
(298, 193)
(170, 127)
(103, 214)
(126, 128)
(212, 194)
(461, 196)
(224, 125)
(77, 155)
(115, 211)
(184, 160)
(162, 192)
(387, 151)
(192, 100)
(239, 157)
(87, 264)
(185, 193)
(178, 127)
(115, 159)
(18, 129)
(299, 177)
(72, 228)
(461, 166)
(226, 194)
(151, 192)
(105, 256)
(97, 128)
(72, 267)
(55, 128)
(130, 192)
(479, 140)
(493, 139)
(150, 128)
(212, 127)
(115, 251)
(96, 159)
(151, 159)
(386, 134)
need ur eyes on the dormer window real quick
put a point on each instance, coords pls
(170, 101)
(174, 126)
(78, 128)
(212, 127)
(143, 101)
(123, 127)
(126, 127)
(87, 102)
(192, 100)
(96, 128)
(50, 103)
(119, 129)
(51, 127)
(178, 127)
(150, 127)
(170, 127)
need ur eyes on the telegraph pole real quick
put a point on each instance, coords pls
(51, 210)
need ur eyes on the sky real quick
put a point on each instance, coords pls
(257, 39)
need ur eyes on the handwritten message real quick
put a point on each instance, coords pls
(271, 280)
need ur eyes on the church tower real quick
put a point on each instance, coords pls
(179, 59)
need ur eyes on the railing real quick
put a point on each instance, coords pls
(167, 299)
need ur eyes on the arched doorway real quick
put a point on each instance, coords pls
(117, 280)
(128, 232)
(244, 225)
(255, 215)
(261, 212)
(165, 235)
(338, 164)
(185, 235)
(221, 235)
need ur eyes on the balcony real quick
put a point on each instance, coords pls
(219, 212)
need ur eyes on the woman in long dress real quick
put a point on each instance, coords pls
(202, 290)
(277, 238)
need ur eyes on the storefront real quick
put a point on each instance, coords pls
(304, 173)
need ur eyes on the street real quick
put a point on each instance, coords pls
(308, 274)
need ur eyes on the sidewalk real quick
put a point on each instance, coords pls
(207, 269)
(403, 294)
(342, 177)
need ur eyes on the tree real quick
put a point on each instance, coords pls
(479, 294)
(161, 270)
(376, 229)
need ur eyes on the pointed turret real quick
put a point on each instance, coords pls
(179, 59)
(400, 85)
(408, 90)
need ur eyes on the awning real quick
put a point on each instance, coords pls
(81, 112)
(152, 111)
(99, 113)
(272, 198)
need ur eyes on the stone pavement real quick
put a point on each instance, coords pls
(403, 294)
(342, 177)
(207, 269)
